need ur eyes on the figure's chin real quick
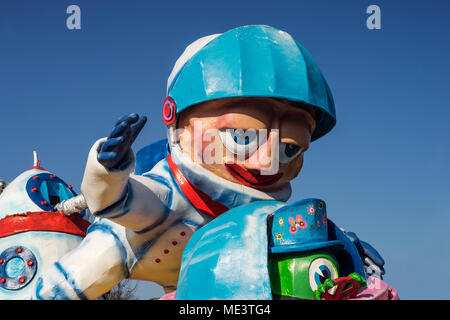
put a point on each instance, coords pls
(253, 179)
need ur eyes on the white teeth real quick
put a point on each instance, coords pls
(332, 290)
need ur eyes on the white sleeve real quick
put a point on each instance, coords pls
(135, 202)
(100, 262)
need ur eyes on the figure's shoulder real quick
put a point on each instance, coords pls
(149, 156)
(151, 163)
(236, 221)
(235, 240)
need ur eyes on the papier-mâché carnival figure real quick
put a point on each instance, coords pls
(241, 110)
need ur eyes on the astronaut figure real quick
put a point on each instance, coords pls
(242, 108)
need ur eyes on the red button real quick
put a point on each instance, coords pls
(35, 177)
(157, 260)
(34, 189)
(22, 280)
(174, 243)
(2, 280)
(1, 261)
(183, 233)
(30, 263)
(19, 250)
(166, 251)
(44, 202)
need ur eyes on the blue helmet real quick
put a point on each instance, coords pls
(250, 61)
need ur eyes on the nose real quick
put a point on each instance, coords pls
(265, 158)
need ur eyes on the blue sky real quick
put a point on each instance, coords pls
(384, 169)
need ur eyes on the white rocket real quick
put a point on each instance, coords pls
(32, 234)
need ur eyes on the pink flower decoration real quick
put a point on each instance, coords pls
(311, 210)
(297, 223)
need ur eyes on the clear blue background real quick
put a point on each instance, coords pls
(384, 169)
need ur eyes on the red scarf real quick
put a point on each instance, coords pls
(200, 200)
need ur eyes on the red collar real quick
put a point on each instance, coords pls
(43, 221)
(200, 200)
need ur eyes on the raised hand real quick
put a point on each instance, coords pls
(112, 152)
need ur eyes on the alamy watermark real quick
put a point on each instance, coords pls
(374, 20)
(73, 21)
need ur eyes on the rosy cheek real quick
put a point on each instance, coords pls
(210, 142)
(206, 141)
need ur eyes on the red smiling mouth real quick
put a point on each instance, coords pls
(252, 178)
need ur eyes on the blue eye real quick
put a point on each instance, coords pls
(291, 149)
(288, 151)
(239, 141)
(240, 138)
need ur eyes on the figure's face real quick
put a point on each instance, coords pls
(258, 142)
